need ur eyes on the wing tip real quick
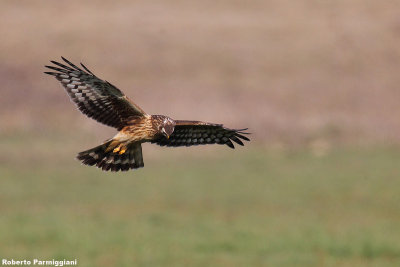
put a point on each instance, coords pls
(240, 133)
(71, 64)
(242, 137)
(231, 145)
(237, 140)
(71, 68)
(50, 73)
(83, 66)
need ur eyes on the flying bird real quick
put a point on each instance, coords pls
(105, 103)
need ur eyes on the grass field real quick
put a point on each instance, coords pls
(317, 83)
(248, 207)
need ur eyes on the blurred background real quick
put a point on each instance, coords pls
(317, 83)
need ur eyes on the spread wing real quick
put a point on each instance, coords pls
(191, 133)
(96, 98)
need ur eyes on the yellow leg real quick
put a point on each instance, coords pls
(122, 151)
(112, 145)
(117, 149)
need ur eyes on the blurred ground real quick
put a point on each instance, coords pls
(291, 71)
(249, 208)
(315, 81)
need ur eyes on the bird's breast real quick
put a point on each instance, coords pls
(139, 130)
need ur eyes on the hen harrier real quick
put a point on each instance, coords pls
(105, 103)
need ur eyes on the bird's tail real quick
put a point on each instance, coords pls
(113, 155)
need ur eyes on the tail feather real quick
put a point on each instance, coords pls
(104, 157)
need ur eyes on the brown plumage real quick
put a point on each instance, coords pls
(105, 103)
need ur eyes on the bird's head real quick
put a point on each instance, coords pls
(167, 127)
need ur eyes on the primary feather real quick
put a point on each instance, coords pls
(96, 98)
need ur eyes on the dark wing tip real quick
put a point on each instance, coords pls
(237, 140)
(50, 73)
(71, 64)
(71, 68)
(239, 133)
(67, 61)
(242, 137)
(241, 130)
(230, 144)
(83, 66)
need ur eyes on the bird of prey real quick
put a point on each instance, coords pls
(105, 103)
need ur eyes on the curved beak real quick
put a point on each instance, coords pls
(165, 134)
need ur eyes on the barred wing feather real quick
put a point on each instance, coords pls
(190, 133)
(96, 98)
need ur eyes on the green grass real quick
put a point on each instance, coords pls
(248, 207)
